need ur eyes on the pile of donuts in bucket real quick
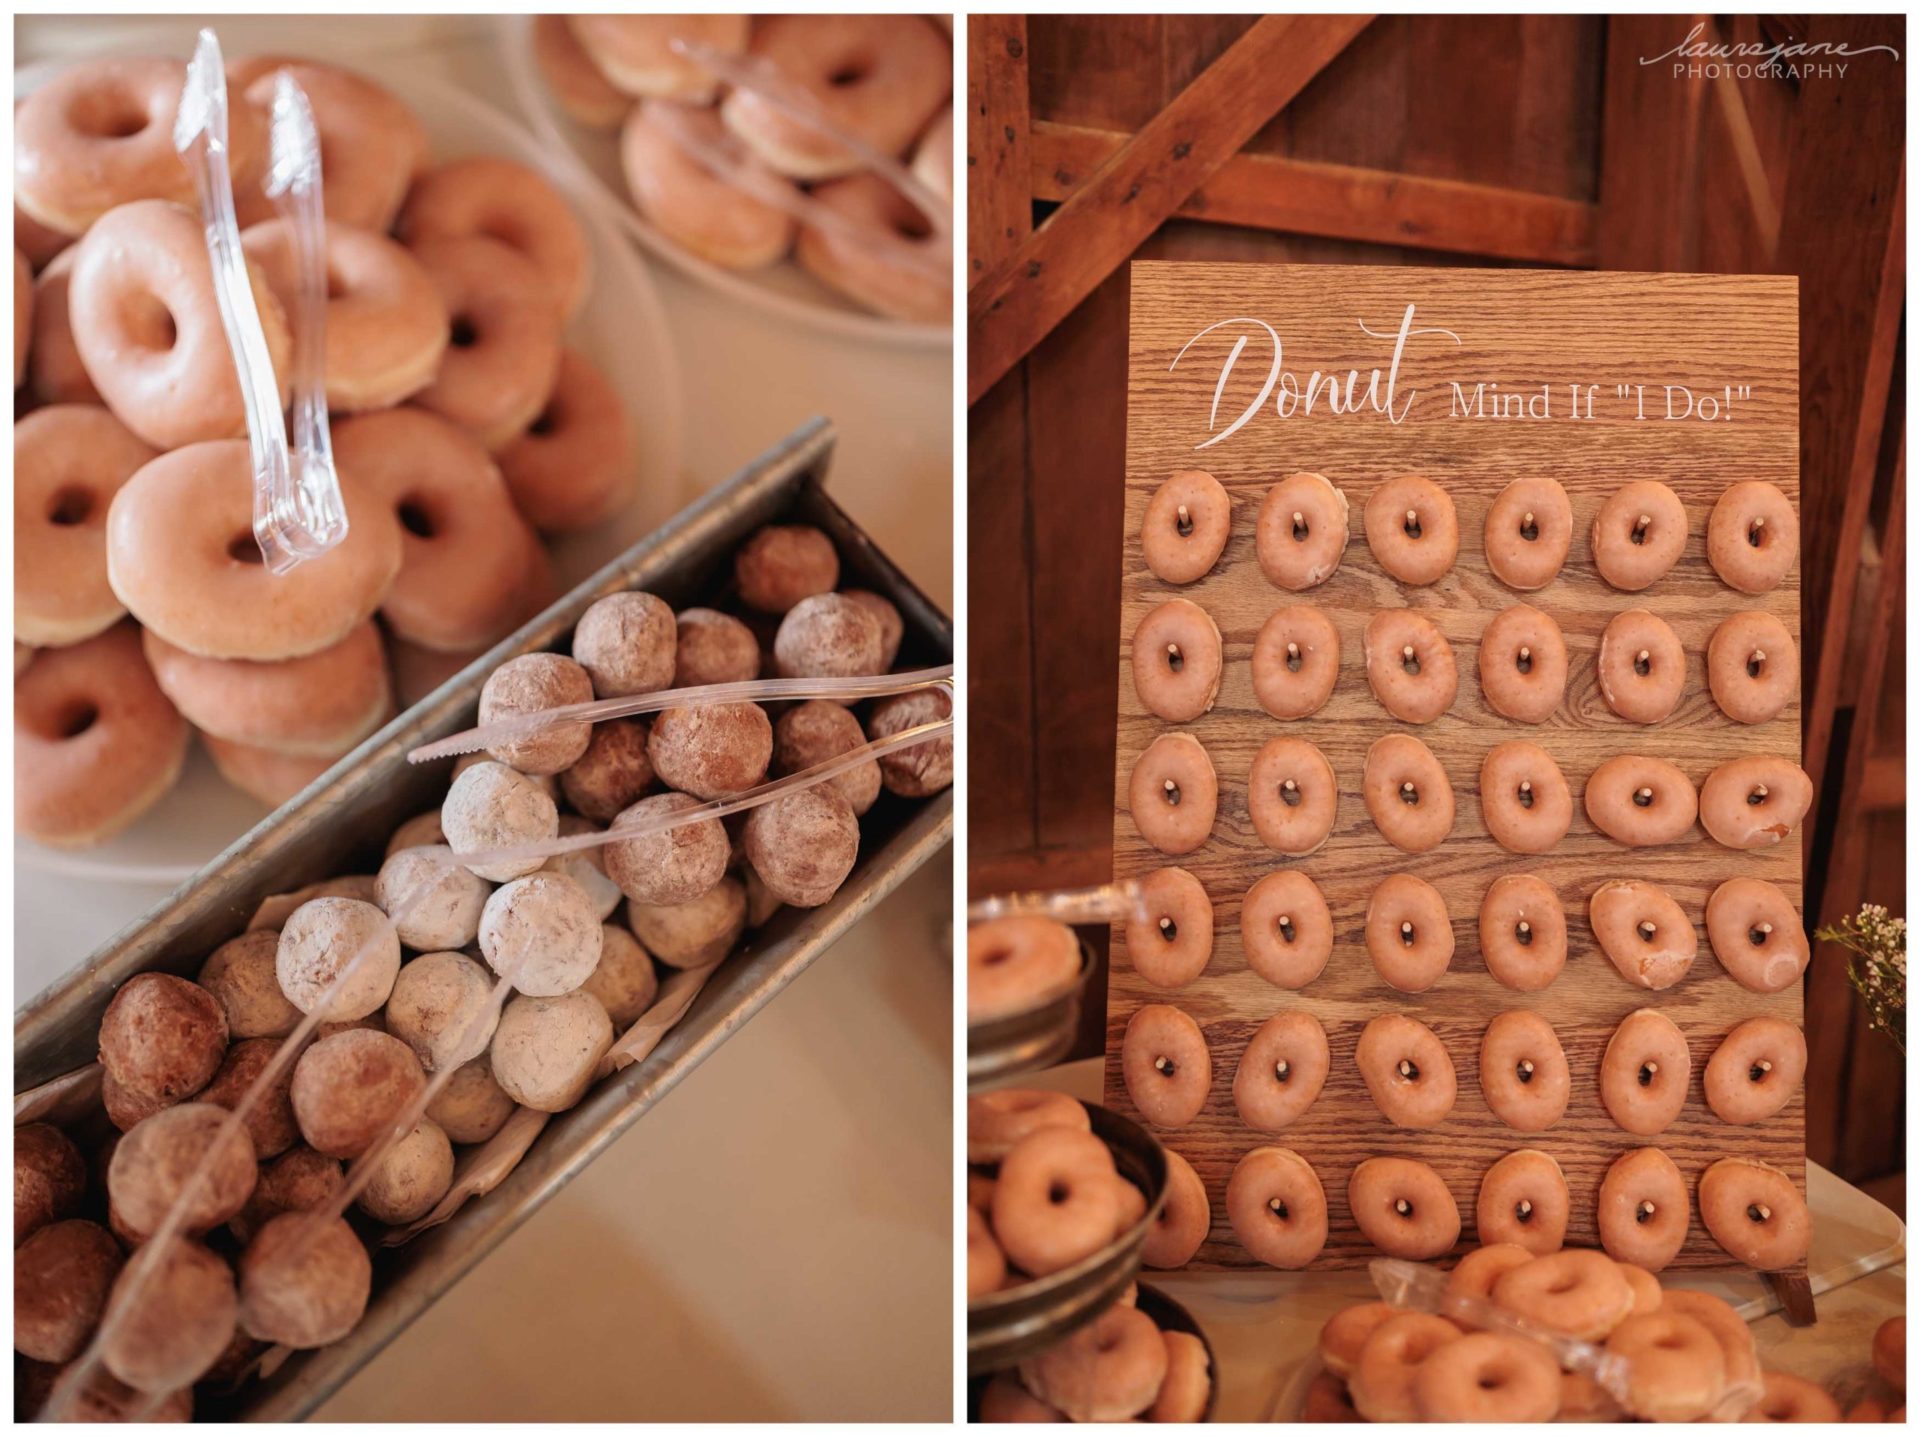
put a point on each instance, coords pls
(465, 427)
(885, 80)
(413, 1024)
(1121, 1367)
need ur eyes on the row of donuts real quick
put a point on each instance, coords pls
(1287, 932)
(1645, 1073)
(1300, 537)
(883, 78)
(1293, 797)
(1753, 665)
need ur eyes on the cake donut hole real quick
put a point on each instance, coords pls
(1523, 932)
(1523, 1200)
(162, 1037)
(1184, 1219)
(1755, 1213)
(1278, 1208)
(1753, 667)
(1301, 532)
(1642, 1211)
(713, 648)
(304, 1281)
(1296, 660)
(1166, 1065)
(782, 564)
(1641, 801)
(442, 1008)
(1410, 666)
(1407, 793)
(1641, 667)
(713, 751)
(49, 1178)
(541, 933)
(296, 1181)
(1056, 1199)
(628, 644)
(1412, 529)
(546, 1051)
(1286, 930)
(1407, 1071)
(492, 806)
(1176, 661)
(828, 636)
(61, 1277)
(1754, 802)
(240, 975)
(1523, 664)
(1171, 945)
(1753, 536)
(1756, 1070)
(1173, 794)
(1409, 935)
(1756, 934)
(337, 957)
(270, 1125)
(1523, 1071)
(152, 1163)
(439, 899)
(672, 866)
(624, 981)
(1404, 1209)
(818, 732)
(1524, 798)
(803, 845)
(1644, 1074)
(1644, 933)
(700, 931)
(529, 684)
(1529, 529)
(471, 1107)
(1185, 527)
(169, 1317)
(350, 1087)
(411, 1176)
(1292, 796)
(1282, 1071)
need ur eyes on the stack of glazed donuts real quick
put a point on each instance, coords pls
(886, 79)
(1121, 1367)
(1525, 1052)
(464, 427)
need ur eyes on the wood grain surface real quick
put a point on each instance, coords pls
(1518, 330)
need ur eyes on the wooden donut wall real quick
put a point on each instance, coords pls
(1517, 330)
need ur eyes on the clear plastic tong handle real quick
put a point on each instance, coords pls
(298, 511)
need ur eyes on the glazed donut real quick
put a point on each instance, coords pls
(690, 205)
(1188, 1385)
(587, 97)
(1176, 661)
(1524, 798)
(1756, 1070)
(462, 542)
(55, 374)
(1641, 801)
(1286, 931)
(1638, 535)
(1647, 1293)
(1473, 1277)
(181, 555)
(1529, 529)
(504, 357)
(999, 1120)
(1576, 1292)
(1523, 932)
(1675, 1370)
(1016, 963)
(1644, 933)
(574, 467)
(1055, 1200)
(1170, 946)
(1644, 1074)
(1642, 1210)
(1108, 1371)
(1523, 1200)
(1890, 1352)
(1278, 1208)
(1523, 1071)
(1382, 1385)
(318, 706)
(635, 52)
(1003, 1399)
(22, 315)
(267, 777)
(986, 1264)
(880, 78)
(1185, 527)
(1403, 1208)
(1641, 666)
(1173, 794)
(1407, 1071)
(1301, 532)
(148, 329)
(37, 244)
(1740, 1358)
(1409, 935)
(1296, 659)
(386, 328)
(1523, 664)
(69, 461)
(1412, 529)
(100, 135)
(1488, 1377)
(1753, 666)
(1292, 796)
(95, 742)
(1166, 1065)
(1755, 1213)
(1407, 793)
(1753, 536)
(1754, 802)
(503, 200)
(1184, 1218)
(1410, 665)
(1345, 1334)
(1282, 1071)
(372, 145)
(878, 268)
(1787, 1398)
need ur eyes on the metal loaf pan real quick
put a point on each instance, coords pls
(340, 824)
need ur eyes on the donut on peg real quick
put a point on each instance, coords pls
(1753, 536)
(1524, 799)
(1403, 1208)
(1296, 659)
(1166, 1065)
(1407, 793)
(1302, 532)
(1407, 1071)
(1171, 945)
(1277, 1207)
(1756, 1213)
(1756, 1070)
(1644, 1073)
(1282, 1071)
(1753, 666)
(1644, 933)
(1410, 665)
(1641, 801)
(1754, 802)
(1641, 666)
(1523, 664)
(1529, 530)
(1755, 932)
(1638, 535)
(1523, 1200)
(1523, 932)
(1185, 527)
(1292, 796)
(1286, 930)
(1409, 935)
(1412, 529)
(1176, 661)
(1173, 794)
(1523, 1071)
(1642, 1210)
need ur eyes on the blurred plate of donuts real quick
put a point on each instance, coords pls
(624, 151)
(613, 354)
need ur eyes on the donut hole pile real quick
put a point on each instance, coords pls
(464, 428)
(883, 78)
(1121, 1367)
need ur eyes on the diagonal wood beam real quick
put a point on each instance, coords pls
(1018, 303)
(1762, 208)
(1277, 192)
(999, 174)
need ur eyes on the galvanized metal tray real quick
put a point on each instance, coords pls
(340, 823)
(1025, 1042)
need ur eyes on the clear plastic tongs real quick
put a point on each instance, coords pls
(298, 511)
(1106, 903)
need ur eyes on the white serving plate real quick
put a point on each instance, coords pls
(622, 328)
(784, 289)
